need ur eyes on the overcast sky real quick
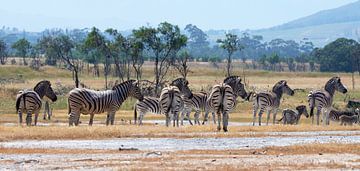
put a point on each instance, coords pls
(36, 15)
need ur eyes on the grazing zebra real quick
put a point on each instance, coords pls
(197, 102)
(270, 101)
(290, 116)
(86, 101)
(334, 115)
(322, 100)
(152, 104)
(222, 98)
(349, 120)
(30, 101)
(170, 100)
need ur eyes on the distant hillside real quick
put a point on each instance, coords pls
(346, 13)
(321, 27)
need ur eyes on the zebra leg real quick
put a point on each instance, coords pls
(260, 116)
(167, 119)
(20, 117)
(254, 115)
(318, 116)
(205, 117)
(274, 117)
(28, 118)
(188, 117)
(91, 119)
(225, 121)
(182, 118)
(327, 117)
(177, 119)
(141, 118)
(196, 116)
(36, 117)
(268, 117)
(112, 117)
(214, 117)
(107, 119)
(219, 121)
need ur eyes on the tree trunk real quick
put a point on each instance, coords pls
(228, 67)
(76, 78)
(157, 76)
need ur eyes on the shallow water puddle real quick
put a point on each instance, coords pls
(172, 144)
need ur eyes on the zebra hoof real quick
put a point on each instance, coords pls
(225, 130)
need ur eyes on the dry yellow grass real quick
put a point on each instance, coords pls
(150, 131)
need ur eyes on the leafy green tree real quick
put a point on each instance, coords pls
(336, 56)
(22, 47)
(198, 45)
(95, 41)
(3, 52)
(62, 47)
(162, 41)
(231, 44)
(136, 53)
(273, 60)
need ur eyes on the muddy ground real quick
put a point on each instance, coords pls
(273, 150)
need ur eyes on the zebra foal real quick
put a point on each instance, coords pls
(290, 116)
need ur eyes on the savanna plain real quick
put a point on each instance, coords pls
(125, 146)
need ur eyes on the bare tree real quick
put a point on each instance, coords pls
(180, 63)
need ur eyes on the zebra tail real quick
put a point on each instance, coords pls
(135, 114)
(69, 109)
(22, 96)
(311, 104)
(281, 119)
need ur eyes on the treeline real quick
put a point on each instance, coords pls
(167, 46)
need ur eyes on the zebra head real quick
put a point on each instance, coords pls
(282, 87)
(236, 85)
(43, 88)
(335, 84)
(135, 90)
(302, 110)
(182, 85)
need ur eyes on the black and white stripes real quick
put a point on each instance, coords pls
(29, 101)
(322, 99)
(222, 98)
(170, 101)
(92, 102)
(270, 101)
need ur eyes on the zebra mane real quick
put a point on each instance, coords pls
(330, 83)
(181, 80)
(278, 85)
(123, 83)
(230, 79)
(42, 82)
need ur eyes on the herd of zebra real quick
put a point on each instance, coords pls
(177, 99)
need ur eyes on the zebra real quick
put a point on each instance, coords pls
(29, 101)
(222, 98)
(349, 120)
(334, 115)
(290, 116)
(171, 101)
(152, 104)
(322, 100)
(86, 101)
(197, 102)
(270, 101)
